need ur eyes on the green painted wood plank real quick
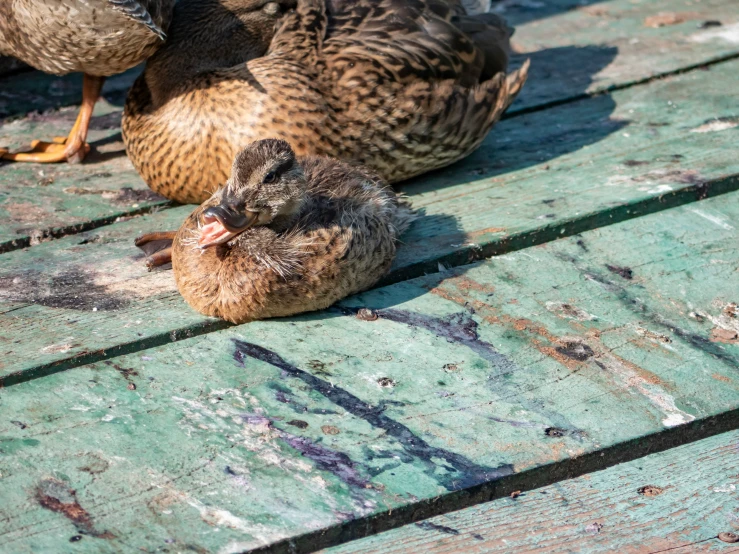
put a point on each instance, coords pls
(576, 50)
(39, 201)
(604, 159)
(589, 47)
(505, 375)
(677, 501)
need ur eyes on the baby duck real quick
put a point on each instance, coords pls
(287, 235)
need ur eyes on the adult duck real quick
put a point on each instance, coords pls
(286, 235)
(96, 37)
(401, 86)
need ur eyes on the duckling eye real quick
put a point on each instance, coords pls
(270, 177)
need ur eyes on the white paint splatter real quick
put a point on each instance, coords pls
(726, 320)
(673, 420)
(716, 125)
(523, 253)
(218, 517)
(659, 398)
(660, 189)
(60, 348)
(725, 488)
(618, 180)
(727, 33)
(715, 219)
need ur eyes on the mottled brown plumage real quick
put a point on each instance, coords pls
(305, 233)
(96, 37)
(401, 86)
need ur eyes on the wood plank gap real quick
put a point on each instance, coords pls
(458, 258)
(515, 112)
(525, 481)
(46, 235)
(132, 347)
(567, 228)
(673, 501)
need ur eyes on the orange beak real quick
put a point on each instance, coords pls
(223, 223)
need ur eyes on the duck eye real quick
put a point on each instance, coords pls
(270, 177)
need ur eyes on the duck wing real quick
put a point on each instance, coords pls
(139, 12)
(491, 34)
(411, 40)
(302, 32)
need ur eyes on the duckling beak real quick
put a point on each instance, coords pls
(222, 223)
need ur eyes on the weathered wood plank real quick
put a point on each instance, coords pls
(653, 163)
(589, 47)
(41, 201)
(576, 50)
(677, 501)
(505, 375)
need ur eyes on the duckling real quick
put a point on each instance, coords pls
(401, 86)
(287, 235)
(97, 37)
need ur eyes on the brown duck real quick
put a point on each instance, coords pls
(286, 235)
(97, 37)
(401, 86)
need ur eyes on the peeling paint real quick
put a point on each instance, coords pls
(569, 311)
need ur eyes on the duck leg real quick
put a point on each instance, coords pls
(73, 148)
(157, 247)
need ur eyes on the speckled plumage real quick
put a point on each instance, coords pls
(337, 237)
(96, 37)
(402, 86)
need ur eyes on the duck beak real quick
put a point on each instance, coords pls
(222, 223)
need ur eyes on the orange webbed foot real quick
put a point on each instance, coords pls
(51, 152)
(72, 148)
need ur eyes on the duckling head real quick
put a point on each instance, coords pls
(267, 187)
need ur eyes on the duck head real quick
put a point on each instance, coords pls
(267, 187)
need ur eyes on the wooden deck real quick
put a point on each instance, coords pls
(567, 303)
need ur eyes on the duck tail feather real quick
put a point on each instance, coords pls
(505, 88)
(517, 79)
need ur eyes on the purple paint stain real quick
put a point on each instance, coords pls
(255, 419)
(337, 463)
(461, 472)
